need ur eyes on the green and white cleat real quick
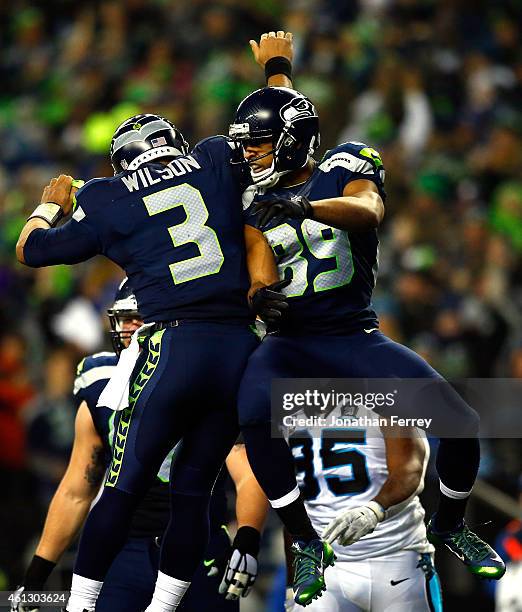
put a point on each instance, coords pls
(477, 555)
(310, 561)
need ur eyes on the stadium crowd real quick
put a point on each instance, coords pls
(434, 85)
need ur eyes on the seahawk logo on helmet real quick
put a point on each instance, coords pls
(288, 119)
(144, 138)
(298, 108)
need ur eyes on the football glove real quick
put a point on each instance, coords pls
(241, 572)
(269, 302)
(218, 553)
(352, 525)
(290, 605)
(278, 209)
(18, 606)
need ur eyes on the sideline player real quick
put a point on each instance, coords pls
(130, 581)
(348, 478)
(321, 220)
(164, 205)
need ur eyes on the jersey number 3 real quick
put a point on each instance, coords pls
(192, 230)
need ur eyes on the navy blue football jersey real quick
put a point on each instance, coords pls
(176, 230)
(333, 271)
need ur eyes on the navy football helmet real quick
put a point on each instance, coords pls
(125, 307)
(143, 138)
(288, 119)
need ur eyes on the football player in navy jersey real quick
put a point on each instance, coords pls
(130, 581)
(172, 221)
(321, 220)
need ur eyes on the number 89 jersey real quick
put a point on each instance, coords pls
(332, 271)
(346, 471)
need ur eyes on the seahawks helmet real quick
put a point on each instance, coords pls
(288, 119)
(143, 138)
(125, 307)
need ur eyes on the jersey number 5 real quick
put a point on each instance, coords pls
(192, 230)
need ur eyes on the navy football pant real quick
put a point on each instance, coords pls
(358, 355)
(185, 386)
(129, 583)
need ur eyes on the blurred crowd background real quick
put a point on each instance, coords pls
(434, 85)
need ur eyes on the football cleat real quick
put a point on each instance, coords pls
(477, 555)
(310, 561)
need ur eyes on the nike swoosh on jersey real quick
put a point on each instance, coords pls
(208, 562)
(396, 582)
(369, 331)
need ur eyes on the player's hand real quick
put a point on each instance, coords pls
(19, 607)
(279, 209)
(352, 525)
(269, 302)
(273, 44)
(61, 191)
(241, 572)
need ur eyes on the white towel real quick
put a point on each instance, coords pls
(115, 395)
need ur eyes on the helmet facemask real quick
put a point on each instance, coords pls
(122, 310)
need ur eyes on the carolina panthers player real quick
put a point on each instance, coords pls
(321, 220)
(172, 221)
(347, 478)
(130, 581)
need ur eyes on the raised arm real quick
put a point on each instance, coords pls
(71, 502)
(41, 243)
(271, 47)
(406, 453)
(251, 512)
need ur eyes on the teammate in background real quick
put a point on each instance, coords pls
(130, 581)
(165, 205)
(321, 220)
(345, 479)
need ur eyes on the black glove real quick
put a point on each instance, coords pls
(279, 209)
(269, 302)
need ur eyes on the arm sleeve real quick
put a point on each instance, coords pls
(70, 243)
(351, 161)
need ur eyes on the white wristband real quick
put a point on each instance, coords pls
(379, 511)
(49, 211)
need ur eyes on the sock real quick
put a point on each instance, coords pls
(84, 593)
(296, 520)
(457, 464)
(167, 594)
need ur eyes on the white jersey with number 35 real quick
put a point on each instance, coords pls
(338, 469)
